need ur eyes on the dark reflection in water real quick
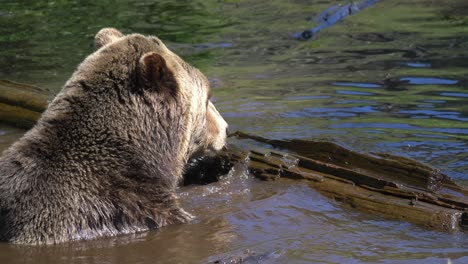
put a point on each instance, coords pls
(386, 83)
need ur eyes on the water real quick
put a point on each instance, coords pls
(391, 78)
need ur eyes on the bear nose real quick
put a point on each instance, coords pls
(227, 131)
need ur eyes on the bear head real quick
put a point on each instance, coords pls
(137, 67)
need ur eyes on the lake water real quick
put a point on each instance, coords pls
(392, 78)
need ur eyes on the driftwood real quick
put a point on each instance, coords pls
(383, 184)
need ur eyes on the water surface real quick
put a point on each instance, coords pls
(391, 78)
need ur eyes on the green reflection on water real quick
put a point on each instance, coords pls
(246, 49)
(43, 41)
(267, 83)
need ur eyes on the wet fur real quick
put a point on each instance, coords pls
(106, 156)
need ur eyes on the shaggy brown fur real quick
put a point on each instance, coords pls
(106, 156)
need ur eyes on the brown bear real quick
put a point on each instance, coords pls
(106, 156)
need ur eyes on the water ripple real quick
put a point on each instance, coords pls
(427, 80)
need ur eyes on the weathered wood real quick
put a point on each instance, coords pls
(357, 180)
(383, 184)
(421, 194)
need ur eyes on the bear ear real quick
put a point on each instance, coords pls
(155, 75)
(106, 36)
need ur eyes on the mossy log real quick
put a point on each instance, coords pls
(383, 184)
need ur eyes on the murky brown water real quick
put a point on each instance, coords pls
(391, 78)
(280, 223)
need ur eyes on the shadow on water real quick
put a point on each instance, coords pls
(391, 78)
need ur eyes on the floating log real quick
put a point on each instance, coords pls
(383, 184)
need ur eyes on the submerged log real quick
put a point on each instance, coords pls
(21, 104)
(390, 186)
(333, 15)
(384, 184)
(387, 185)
